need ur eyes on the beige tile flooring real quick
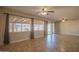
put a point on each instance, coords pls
(51, 43)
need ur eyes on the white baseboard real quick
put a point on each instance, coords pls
(18, 40)
(71, 34)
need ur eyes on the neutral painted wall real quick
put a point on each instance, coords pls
(38, 34)
(57, 27)
(19, 36)
(70, 27)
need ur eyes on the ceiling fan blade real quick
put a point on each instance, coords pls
(51, 11)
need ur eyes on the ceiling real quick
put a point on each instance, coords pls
(67, 12)
(18, 19)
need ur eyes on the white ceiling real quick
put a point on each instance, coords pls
(68, 12)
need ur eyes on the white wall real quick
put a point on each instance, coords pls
(38, 34)
(19, 36)
(57, 27)
(70, 27)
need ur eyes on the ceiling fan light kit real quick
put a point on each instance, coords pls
(45, 11)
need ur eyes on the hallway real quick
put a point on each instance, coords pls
(52, 43)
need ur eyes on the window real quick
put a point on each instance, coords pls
(25, 27)
(19, 24)
(17, 27)
(36, 27)
(41, 27)
(10, 27)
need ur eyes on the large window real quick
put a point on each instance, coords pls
(17, 27)
(41, 27)
(38, 25)
(19, 24)
(38, 28)
(25, 27)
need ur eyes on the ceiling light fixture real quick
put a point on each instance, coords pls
(63, 20)
(43, 13)
(24, 20)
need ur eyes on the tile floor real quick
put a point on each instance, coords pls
(51, 43)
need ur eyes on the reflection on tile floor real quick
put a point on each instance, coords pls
(51, 43)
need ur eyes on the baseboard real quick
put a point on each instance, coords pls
(23, 40)
(71, 34)
(18, 40)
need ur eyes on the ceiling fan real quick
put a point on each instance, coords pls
(45, 11)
